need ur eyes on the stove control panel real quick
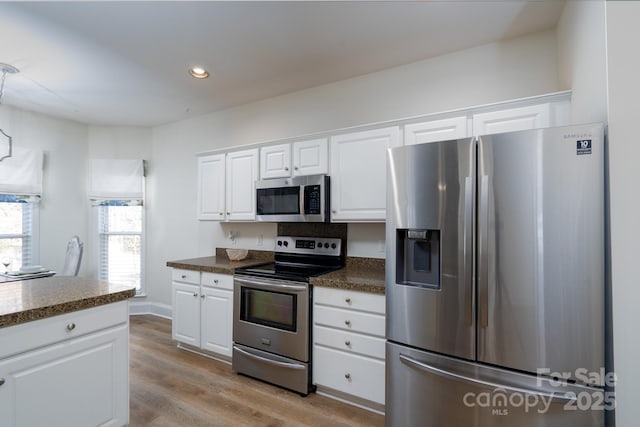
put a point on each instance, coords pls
(308, 245)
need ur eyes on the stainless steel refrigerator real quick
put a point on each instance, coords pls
(496, 281)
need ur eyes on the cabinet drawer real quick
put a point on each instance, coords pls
(219, 281)
(185, 276)
(355, 300)
(349, 320)
(349, 373)
(40, 333)
(351, 343)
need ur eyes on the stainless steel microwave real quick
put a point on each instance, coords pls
(297, 199)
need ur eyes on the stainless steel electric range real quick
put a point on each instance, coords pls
(272, 311)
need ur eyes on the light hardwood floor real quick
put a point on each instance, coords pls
(173, 387)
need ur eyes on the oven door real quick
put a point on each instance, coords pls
(272, 315)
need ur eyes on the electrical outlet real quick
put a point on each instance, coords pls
(260, 240)
(381, 246)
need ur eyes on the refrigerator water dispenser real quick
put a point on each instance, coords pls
(418, 258)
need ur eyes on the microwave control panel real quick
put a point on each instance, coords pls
(312, 197)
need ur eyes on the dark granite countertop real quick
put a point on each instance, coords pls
(25, 300)
(220, 263)
(359, 274)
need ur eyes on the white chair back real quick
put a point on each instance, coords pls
(72, 257)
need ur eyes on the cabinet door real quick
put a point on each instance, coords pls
(211, 176)
(79, 382)
(185, 323)
(311, 157)
(275, 161)
(217, 320)
(358, 174)
(436, 130)
(512, 119)
(242, 172)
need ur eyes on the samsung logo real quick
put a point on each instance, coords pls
(576, 135)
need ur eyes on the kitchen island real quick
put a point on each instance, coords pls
(64, 357)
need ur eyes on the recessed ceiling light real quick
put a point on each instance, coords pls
(198, 72)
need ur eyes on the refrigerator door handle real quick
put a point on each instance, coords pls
(483, 256)
(467, 251)
(451, 375)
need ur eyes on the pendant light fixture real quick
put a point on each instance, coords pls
(5, 69)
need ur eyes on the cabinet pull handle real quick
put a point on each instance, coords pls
(347, 322)
(1, 381)
(71, 326)
(347, 376)
(347, 343)
(347, 300)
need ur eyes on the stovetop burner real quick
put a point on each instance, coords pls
(299, 258)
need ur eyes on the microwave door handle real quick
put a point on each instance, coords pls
(301, 201)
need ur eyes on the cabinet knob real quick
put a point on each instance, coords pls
(202, 296)
(184, 276)
(228, 213)
(1, 381)
(347, 343)
(195, 294)
(220, 213)
(333, 211)
(347, 376)
(215, 281)
(71, 326)
(347, 300)
(286, 168)
(295, 168)
(347, 322)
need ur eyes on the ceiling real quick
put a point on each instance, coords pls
(125, 62)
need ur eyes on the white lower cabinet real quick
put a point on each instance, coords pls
(81, 380)
(203, 310)
(349, 344)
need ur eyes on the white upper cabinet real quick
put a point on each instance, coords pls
(436, 130)
(311, 157)
(358, 174)
(275, 161)
(512, 119)
(242, 172)
(211, 187)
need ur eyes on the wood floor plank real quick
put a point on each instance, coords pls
(171, 387)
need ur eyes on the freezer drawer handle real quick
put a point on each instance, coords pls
(420, 365)
(269, 361)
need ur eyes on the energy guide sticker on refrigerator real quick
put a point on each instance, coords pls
(496, 281)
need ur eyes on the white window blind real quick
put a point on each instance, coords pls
(116, 179)
(21, 173)
(116, 188)
(18, 224)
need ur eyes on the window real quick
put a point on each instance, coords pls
(121, 244)
(18, 222)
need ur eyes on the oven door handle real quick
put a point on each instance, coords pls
(267, 285)
(269, 361)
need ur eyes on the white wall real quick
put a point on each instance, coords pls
(63, 204)
(623, 55)
(582, 63)
(491, 73)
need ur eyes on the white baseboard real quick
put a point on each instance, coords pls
(148, 307)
